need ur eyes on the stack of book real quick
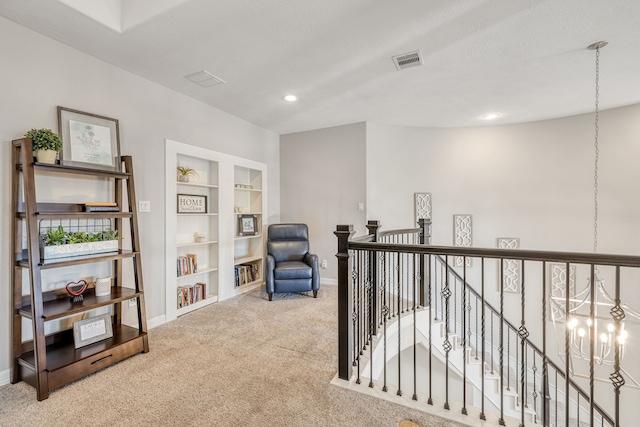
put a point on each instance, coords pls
(191, 294)
(101, 207)
(246, 274)
(187, 264)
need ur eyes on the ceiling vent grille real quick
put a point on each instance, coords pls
(407, 60)
(204, 79)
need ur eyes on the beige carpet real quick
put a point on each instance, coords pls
(241, 362)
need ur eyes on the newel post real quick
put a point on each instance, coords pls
(345, 296)
(425, 239)
(372, 277)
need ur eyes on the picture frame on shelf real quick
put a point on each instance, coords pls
(89, 140)
(91, 330)
(192, 203)
(247, 225)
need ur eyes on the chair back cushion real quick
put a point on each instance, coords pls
(288, 242)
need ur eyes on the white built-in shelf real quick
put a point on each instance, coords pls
(208, 242)
(198, 214)
(246, 285)
(246, 260)
(248, 213)
(203, 270)
(248, 189)
(210, 299)
(196, 184)
(248, 237)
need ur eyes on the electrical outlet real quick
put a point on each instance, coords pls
(323, 264)
(132, 302)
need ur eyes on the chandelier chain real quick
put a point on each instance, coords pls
(597, 156)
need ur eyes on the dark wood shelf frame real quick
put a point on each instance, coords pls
(49, 362)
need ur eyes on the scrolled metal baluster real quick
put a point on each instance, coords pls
(416, 279)
(385, 314)
(522, 331)
(446, 294)
(534, 369)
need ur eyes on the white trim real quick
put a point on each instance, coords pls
(156, 321)
(5, 377)
(331, 282)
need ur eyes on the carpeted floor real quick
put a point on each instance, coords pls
(241, 362)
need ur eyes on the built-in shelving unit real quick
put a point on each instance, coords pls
(192, 237)
(45, 351)
(234, 187)
(248, 246)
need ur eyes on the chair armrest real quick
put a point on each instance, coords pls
(312, 261)
(270, 265)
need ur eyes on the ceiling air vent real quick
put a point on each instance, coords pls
(407, 60)
(204, 79)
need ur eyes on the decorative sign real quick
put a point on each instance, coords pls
(191, 203)
(247, 225)
(92, 330)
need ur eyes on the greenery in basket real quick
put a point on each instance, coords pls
(186, 171)
(44, 139)
(59, 236)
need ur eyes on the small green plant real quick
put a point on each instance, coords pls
(44, 139)
(59, 236)
(186, 171)
(55, 237)
(108, 235)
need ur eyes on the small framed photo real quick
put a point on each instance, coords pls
(88, 140)
(247, 225)
(92, 330)
(192, 203)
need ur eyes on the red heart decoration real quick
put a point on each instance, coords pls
(75, 293)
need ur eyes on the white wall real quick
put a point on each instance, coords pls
(533, 181)
(38, 74)
(322, 181)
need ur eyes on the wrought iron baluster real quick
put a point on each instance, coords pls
(534, 369)
(464, 338)
(484, 339)
(431, 314)
(416, 279)
(477, 348)
(616, 377)
(501, 348)
(567, 343)
(545, 368)
(385, 313)
(592, 347)
(522, 331)
(446, 294)
(398, 304)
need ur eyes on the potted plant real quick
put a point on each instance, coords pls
(46, 144)
(58, 243)
(184, 172)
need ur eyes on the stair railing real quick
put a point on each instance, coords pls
(386, 279)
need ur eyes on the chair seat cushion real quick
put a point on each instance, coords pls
(292, 270)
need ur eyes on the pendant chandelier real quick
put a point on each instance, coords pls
(577, 318)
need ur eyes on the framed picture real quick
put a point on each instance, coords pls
(247, 225)
(88, 140)
(192, 203)
(92, 330)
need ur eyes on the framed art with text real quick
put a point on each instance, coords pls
(92, 330)
(247, 225)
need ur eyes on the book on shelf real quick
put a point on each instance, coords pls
(246, 273)
(190, 294)
(101, 208)
(187, 264)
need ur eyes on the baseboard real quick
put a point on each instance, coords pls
(333, 282)
(156, 321)
(5, 377)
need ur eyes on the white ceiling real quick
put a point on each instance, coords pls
(526, 59)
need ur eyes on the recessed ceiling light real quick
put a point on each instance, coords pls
(491, 116)
(290, 98)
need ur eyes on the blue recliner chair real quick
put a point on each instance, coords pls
(290, 266)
